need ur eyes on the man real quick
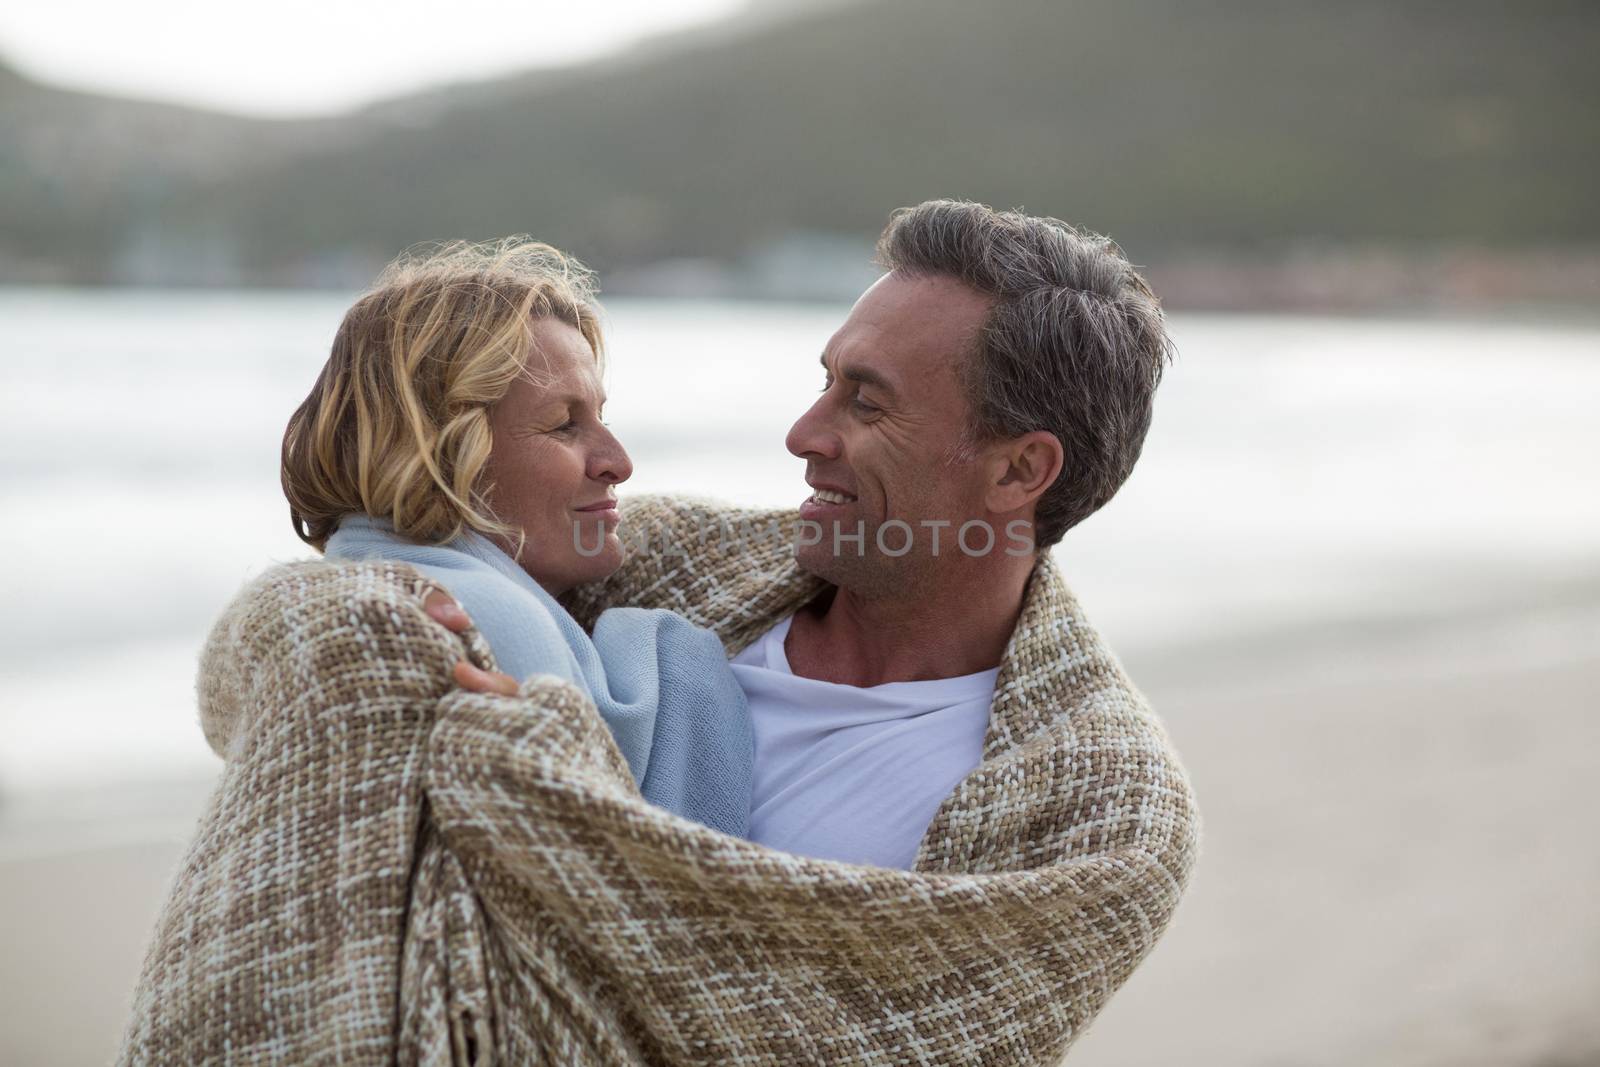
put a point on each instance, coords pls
(939, 443)
(991, 391)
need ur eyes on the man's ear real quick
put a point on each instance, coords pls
(1024, 468)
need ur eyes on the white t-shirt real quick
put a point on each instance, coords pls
(855, 773)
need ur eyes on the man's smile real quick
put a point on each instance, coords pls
(825, 500)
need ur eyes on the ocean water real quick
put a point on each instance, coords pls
(1301, 471)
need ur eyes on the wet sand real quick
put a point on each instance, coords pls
(1400, 863)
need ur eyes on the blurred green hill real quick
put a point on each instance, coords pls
(1191, 130)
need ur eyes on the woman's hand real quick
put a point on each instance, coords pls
(447, 613)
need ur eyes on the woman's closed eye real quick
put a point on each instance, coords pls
(564, 423)
(572, 426)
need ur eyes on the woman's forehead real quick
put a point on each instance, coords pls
(560, 378)
(556, 341)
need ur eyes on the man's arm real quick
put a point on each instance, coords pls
(708, 948)
(726, 568)
(318, 687)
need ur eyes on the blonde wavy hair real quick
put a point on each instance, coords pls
(397, 426)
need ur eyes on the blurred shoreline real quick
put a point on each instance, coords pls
(1388, 874)
(1547, 284)
(1504, 625)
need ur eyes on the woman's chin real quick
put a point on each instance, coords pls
(604, 563)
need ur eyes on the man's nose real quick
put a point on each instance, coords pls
(812, 435)
(610, 463)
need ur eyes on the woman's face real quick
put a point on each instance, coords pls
(553, 464)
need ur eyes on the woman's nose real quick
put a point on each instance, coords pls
(610, 462)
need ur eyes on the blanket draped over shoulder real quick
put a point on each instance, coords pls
(392, 870)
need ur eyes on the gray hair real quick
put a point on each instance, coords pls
(1074, 343)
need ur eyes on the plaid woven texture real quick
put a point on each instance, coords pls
(392, 870)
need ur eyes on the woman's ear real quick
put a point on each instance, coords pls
(1025, 467)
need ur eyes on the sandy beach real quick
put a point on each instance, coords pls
(1399, 864)
(1400, 855)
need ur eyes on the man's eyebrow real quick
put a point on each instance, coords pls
(863, 375)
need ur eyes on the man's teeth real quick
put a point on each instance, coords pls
(828, 496)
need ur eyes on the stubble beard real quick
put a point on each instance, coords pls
(868, 572)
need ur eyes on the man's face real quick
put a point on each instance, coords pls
(880, 442)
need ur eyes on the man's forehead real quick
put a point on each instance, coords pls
(925, 294)
(905, 324)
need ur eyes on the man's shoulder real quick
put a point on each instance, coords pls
(1075, 760)
(1055, 662)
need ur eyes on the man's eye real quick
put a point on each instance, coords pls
(864, 407)
(566, 427)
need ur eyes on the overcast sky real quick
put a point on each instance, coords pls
(310, 57)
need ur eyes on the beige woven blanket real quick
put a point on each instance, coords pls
(395, 871)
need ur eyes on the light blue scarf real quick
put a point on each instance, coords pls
(662, 684)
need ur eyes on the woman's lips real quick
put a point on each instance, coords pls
(604, 510)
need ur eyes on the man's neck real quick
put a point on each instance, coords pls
(961, 627)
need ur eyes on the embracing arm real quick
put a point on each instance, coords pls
(699, 947)
(726, 568)
(283, 930)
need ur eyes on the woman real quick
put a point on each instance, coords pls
(457, 426)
